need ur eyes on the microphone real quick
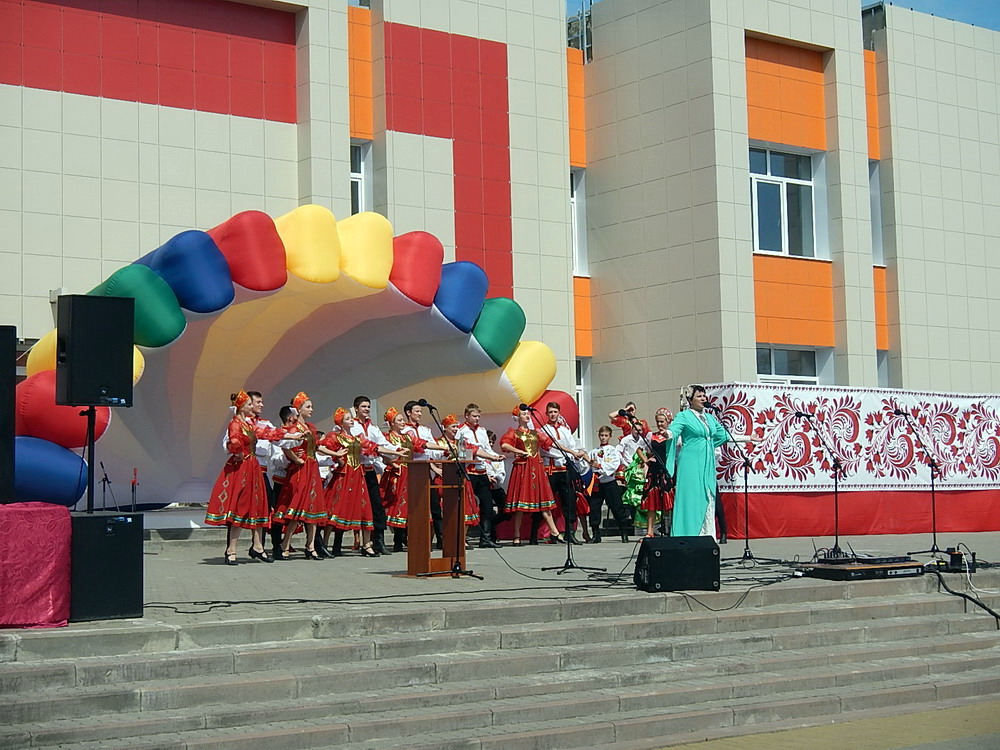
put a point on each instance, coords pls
(423, 403)
(627, 415)
(803, 414)
(523, 407)
(899, 412)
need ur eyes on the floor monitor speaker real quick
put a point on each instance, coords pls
(106, 579)
(678, 563)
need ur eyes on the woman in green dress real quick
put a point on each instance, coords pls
(691, 459)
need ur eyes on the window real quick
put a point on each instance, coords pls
(361, 182)
(583, 398)
(781, 196)
(578, 222)
(875, 200)
(787, 366)
(882, 363)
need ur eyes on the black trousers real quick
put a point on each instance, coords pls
(484, 496)
(375, 496)
(720, 515)
(610, 493)
(565, 496)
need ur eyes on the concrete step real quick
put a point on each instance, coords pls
(461, 678)
(206, 649)
(582, 720)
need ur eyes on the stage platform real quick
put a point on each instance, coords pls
(346, 652)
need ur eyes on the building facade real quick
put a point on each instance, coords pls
(710, 190)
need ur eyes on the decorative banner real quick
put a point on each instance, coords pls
(883, 439)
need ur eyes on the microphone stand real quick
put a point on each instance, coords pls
(932, 463)
(836, 552)
(570, 564)
(748, 555)
(456, 571)
(105, 486)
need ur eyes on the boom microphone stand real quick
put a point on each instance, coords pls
(574, 481)
(748, 554)
(836, 553)
(456, 571)
(932, 463)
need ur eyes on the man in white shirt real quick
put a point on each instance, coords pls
(373, 465)
(554, 461)
(607, 460)
(473, 435)
(414, 415)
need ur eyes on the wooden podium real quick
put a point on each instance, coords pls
(419, 532)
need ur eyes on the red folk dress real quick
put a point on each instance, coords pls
(528, 489)
(395, 478)
(239, 497)
(347, 496)
(302, 497)
(656, 498)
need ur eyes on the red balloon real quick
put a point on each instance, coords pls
(36, 413)
(567, 406)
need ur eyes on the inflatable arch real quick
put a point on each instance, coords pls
(299, 302)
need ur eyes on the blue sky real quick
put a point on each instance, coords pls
(985, 13)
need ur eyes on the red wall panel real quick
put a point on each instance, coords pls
(209, 55)
(451, 86)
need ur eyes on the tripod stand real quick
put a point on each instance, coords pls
(932, 463)
(748, 554)
(836, 553)
(575, 483)
(456, 570)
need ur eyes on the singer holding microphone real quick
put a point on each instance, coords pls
(691, 459)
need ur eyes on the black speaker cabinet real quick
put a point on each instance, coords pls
(678, 563)
(8, 369)
(106, 578)
(94, 350)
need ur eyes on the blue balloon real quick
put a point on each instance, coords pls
(195, 269)
(461, 294)
(48, 473)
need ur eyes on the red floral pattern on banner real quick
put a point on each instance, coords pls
(882, 439)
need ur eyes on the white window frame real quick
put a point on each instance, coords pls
(824, 367)
(582, 394)
(783, 183)
(363, 179)
(578, 222)
(875, 203)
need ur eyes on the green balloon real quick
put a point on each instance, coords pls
(158, 317)
(499, 327)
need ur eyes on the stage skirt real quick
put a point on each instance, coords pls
(350, 505)
(658, 500)
(394, 496)
(239, 497)
(528, 489)
(302, 496)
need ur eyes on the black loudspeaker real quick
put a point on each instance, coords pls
(94, 350)
(106, 578)
(677, 563)
(8, 369)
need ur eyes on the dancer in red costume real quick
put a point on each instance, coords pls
(239, 497)
(659, 495)
(394, 478)
(451, 426)
(625, 423)
(302, 498)
(528, 490)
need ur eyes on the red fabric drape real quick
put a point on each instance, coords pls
(34, 565)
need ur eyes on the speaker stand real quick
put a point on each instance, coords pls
(91, 415)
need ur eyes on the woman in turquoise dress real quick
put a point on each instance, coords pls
(691, 459)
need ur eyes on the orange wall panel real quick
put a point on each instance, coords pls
(871, 104)
(582, 317)
(577, 125)
(881, 310)
(794, 301)
(785, 94)
(359, 52)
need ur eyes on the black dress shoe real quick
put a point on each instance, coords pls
(262, 556)
(574, 540)
(379, 547)
(322, 551)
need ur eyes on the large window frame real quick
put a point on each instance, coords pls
(362, 198)
(578, 222)
(785, 186)
(822, 365)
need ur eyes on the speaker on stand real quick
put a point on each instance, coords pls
(94, 368)
(677, 563)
